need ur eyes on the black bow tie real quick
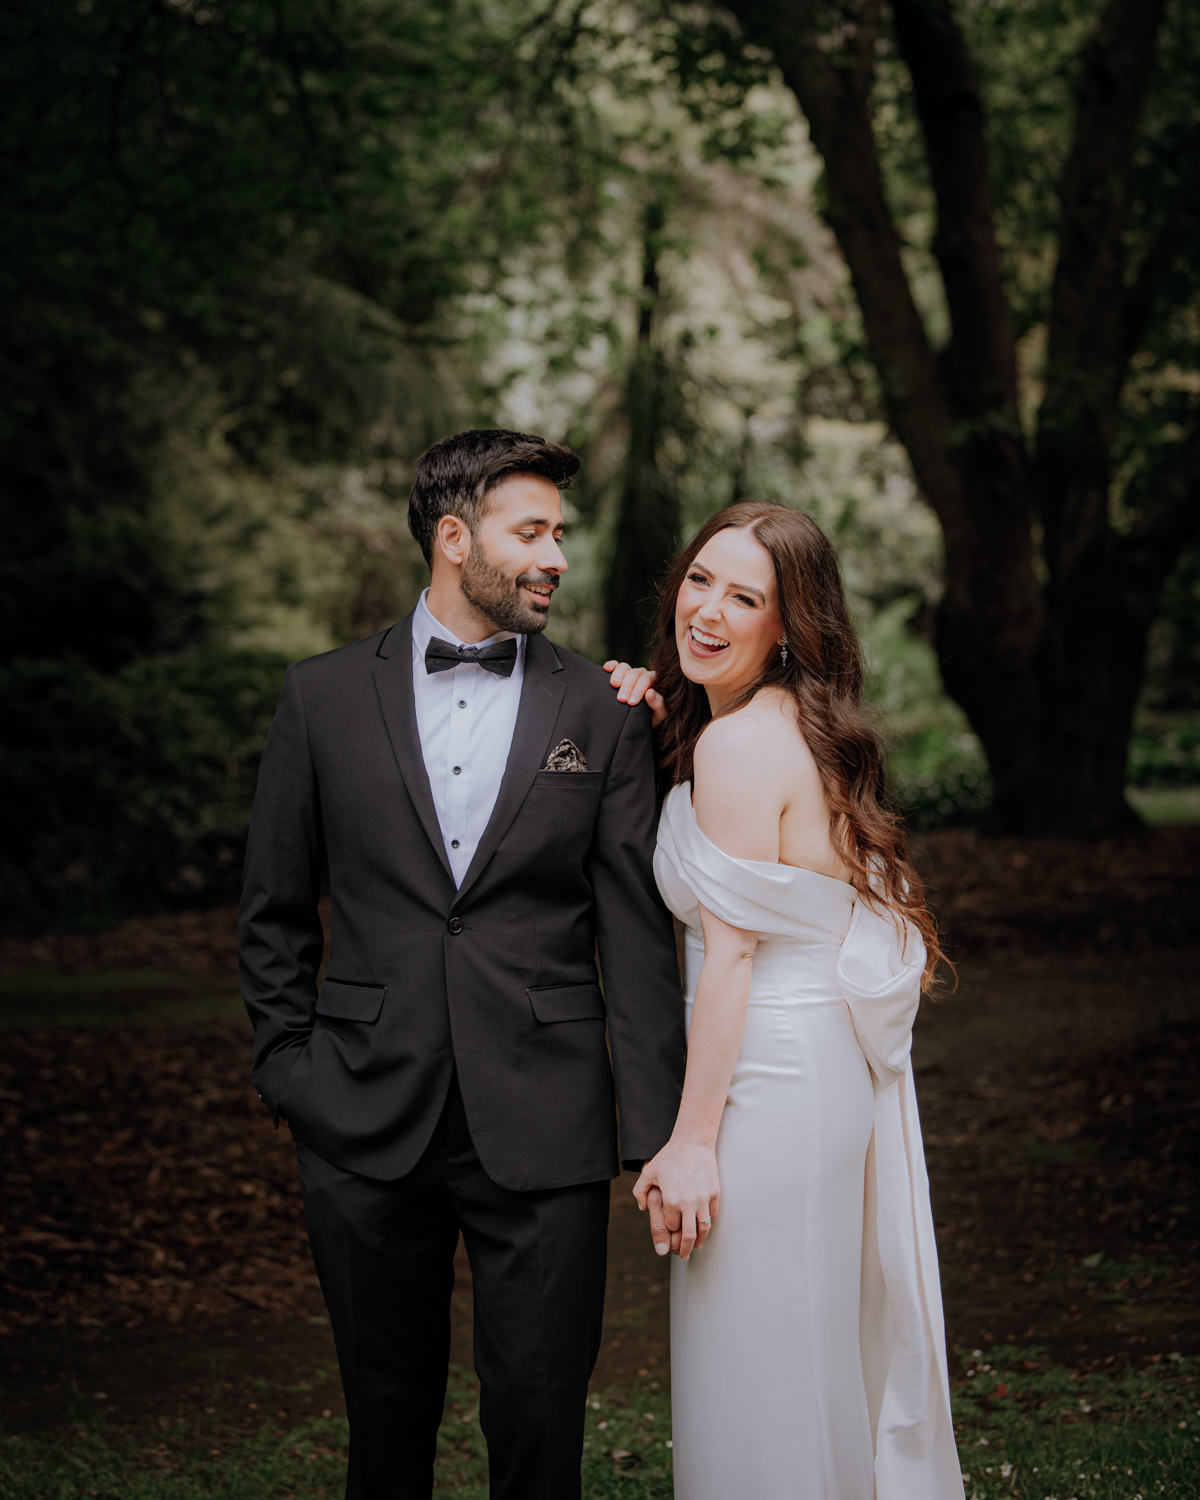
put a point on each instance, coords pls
(442, 656)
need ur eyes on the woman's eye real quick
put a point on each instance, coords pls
(697, 578)
(744, 599)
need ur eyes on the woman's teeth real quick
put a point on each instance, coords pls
(709, 642)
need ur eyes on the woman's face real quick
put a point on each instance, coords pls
(727, 621)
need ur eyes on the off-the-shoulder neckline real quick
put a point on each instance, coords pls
(762, 864)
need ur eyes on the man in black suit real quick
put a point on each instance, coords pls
(484, 810)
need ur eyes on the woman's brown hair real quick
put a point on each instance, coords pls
(824, 675)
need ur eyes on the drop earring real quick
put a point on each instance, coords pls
(783, 652)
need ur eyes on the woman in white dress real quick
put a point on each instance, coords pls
(807, 1348)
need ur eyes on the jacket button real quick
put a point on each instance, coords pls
(454, 925)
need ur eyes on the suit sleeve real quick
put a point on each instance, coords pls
(280, 933)
(636, 943)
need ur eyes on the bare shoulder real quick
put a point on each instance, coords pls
(765, 736)
(741, 782)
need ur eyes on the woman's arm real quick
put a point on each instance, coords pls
(740, 812)
(685, 1170)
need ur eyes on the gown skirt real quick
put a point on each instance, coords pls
(807, 1348)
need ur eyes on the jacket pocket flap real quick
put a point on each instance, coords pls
(567, 1002)
(346, 1001)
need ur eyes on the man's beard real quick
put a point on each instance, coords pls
(497, 597)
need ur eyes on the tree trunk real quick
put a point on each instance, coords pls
(647, 521)
(1047, 672)
(1056, 740)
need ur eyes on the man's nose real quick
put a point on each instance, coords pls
(551, 558)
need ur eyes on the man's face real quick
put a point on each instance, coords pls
(515, 560)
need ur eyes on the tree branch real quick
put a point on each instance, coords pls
(1086, 333)
(1145, 294)
(1086, 305)
(827, 63)
(982, 356)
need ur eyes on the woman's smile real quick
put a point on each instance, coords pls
(727, 621)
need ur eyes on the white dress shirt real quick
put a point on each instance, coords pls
(465, 718)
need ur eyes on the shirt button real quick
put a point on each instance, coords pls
(454, 925)
(454, 843)
(457, 770)
(462, 703)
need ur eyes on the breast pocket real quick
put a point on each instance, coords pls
(572, 782)
(567, 801)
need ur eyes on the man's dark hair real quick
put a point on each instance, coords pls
(454, 476)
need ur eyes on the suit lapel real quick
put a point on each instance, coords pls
(541, 694)
(393, 683)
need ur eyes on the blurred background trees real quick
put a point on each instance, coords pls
(928, 271)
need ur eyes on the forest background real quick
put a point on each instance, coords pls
(926, 270)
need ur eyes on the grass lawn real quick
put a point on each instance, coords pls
(1166, 804)
(163, 1325)
(1027, 1428)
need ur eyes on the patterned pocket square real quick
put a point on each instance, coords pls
(566, 756)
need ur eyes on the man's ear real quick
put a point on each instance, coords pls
(452, 540)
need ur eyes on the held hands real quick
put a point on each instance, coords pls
(681, 1190)
(634, 684)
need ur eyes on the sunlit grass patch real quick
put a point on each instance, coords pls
(1162, 805)
(1029, 1428)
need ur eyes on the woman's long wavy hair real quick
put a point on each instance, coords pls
(824, 675)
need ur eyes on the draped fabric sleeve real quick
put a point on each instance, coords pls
(879, 969)
(902, 1331)
(755, 895)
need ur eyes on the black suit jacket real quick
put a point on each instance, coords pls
(497, 978)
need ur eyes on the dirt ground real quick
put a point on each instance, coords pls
(151, 1247)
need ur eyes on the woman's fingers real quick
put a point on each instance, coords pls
(637, 685)
(632, 683)
(704, 1222)
(695, 1226)
(687, 1240)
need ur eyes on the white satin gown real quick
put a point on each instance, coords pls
(808, 1356)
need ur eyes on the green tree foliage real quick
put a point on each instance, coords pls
(1009, 188)
(256, 254)
(244, 255)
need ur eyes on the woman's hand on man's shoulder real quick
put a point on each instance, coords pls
(636, 685)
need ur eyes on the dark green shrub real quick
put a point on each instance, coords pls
(131, 790)
(1165, 750)
(939, 778)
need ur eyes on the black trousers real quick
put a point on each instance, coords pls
(384, 1254)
